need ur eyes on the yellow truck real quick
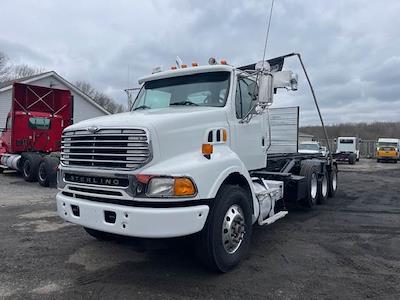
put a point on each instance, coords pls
(388, 149)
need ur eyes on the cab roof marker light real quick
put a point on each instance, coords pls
(195, 64)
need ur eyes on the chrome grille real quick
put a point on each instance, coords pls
(106, 148)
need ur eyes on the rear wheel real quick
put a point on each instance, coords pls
(333, 181)
(225, 239)
(352, 159)
(323, 187)
(47, 171)
(310, 171)
(30, 167)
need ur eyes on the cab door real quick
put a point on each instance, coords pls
(248, 138)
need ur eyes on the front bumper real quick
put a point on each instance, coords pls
(142, 222)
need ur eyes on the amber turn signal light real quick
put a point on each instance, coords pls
(184, 187)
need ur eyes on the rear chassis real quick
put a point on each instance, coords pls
(286, 168)
(342, 156)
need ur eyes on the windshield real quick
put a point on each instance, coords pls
(39, 123)
(204, 89)
(390, 144)
(308, 147)
(346, 141)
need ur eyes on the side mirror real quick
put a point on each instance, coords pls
(265, 89)
(285, 79)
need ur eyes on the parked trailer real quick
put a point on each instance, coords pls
(31, 140)
(191, 158)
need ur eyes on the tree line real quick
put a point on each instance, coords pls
(365, 131)
(10, 72)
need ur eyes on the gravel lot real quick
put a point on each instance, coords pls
(348, 249)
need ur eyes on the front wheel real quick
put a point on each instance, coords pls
(226, 236)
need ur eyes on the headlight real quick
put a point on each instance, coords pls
(171, 187)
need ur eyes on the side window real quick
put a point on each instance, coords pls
(8, 123)
(244, 97)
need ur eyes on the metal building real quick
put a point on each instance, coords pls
(84, 106)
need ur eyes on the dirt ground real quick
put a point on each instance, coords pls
(348, 248)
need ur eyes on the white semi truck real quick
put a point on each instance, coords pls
(348, 149)
(191, 158)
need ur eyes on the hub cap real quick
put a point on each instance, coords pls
(324, 186)
(314, 185)
(27, 169)
(233, 229)
(334, 180)
(42, 173)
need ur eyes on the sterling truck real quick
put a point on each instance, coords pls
(31, 140)
(191, 158)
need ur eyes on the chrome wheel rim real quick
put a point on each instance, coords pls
(324, 186)
(314, 185)
(334, 180)
(233, 229)
(42, 173)
(27, 170)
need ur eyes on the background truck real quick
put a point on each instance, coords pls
(31, 140)
(388, 149)
(191, 158)
(348, 149)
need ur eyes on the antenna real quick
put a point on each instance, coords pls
(267, 35)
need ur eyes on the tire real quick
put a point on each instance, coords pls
(100, 235)
(310, 171)
(323, 188)
(47, 171)
(333, 181)
(231, 213)
(352, 159)
(30, 167)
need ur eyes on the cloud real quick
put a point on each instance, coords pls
(350, 47)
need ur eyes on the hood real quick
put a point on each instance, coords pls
(173, 130)
(181, 116)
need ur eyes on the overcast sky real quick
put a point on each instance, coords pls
(351, 48)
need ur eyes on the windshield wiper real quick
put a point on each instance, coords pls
(186, 102)
(141, 107)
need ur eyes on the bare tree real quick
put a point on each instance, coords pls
(366, 131)
(10, 72)
(102, 99)
(4, 68)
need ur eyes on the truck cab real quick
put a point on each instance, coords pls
(188, 159)
(347, 149)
